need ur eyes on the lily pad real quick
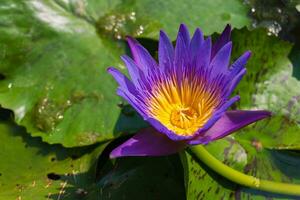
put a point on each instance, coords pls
(53, 65)
(203, 183)
(144, 18)
(269, 85)
(31, 169)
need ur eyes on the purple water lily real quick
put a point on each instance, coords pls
(185, 96)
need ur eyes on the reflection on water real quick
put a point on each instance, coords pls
(280, 17)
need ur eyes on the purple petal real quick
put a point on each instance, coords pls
(239, 64)
(165, 52)
(147, 142)
(236, 72)
(132, 68)
(235, 81)
(222, 40)
(128, 91)
(181, 50)
(133, 101)
(184, 33)
(141, 56)
(122, 80)
(228, 103)
(231, 121)
(196, 43)
(220, 62)
(203, 55)
(182, 44)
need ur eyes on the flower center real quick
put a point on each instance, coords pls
(183, 108)
(184, 117)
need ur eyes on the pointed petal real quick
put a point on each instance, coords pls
(133, 69)
(231, 121)
(165, 52)
(181, 54)
(128, 91)
(220, 62)
(196, 43)
(235, 80)
(181, 48)
(147, 142)
(184, 33)
(222, 40)
(122, 80)
(203, 55)
(239, 64)
(133, 101)
(141, 56)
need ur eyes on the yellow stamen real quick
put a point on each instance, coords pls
(183, 108)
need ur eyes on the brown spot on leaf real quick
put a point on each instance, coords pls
(257, 144)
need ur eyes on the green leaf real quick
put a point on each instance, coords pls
(31, 169)
(142, 178)
(203, 183)
(55, 80)
(269, 85)
(144, 18)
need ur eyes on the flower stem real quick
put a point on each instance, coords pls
(243, 179)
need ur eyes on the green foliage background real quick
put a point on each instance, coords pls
(60, 116)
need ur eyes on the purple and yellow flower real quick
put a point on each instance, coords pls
(185, 96)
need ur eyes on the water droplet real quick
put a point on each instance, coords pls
(274, 28)
(140, 30)
(68, 102)
(279, 10)
(20, 112)
(120, 24)
(298, 7)
(48, 113)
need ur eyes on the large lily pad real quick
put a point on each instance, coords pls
(55, 80)
(203, 183)
(144, 18)
(270, 85)
(31, 169)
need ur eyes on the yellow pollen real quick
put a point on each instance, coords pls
(183, 108)
(183, 117)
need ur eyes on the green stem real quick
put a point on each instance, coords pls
(243, 179)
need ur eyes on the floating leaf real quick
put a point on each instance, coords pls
(55, 80)
(203, 183)
(32, 169)
(269, 85)
(144, 18)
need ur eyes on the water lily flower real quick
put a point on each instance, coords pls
(185, 96)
